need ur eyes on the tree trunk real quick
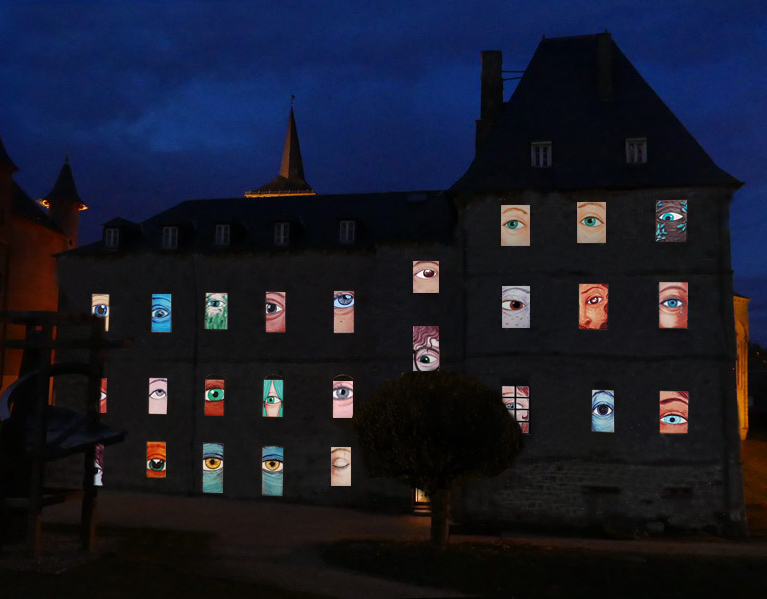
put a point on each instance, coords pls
(440, 506)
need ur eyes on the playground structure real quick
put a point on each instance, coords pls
(34, 432)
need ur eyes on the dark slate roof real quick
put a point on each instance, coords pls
(5, 160)
(26, 207)
(558, 100)
(64, 189)
(291, 179)
(411, 217)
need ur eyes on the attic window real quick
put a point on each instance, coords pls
(540, 154)
(636, 150)
(170, 238)
(222, 235)
(281, 233)
(112, 237)
(348, 231)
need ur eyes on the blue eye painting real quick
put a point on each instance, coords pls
(671, 220)
(271, 470)
(100, 307)
(161, 313)
(212, 468)
(603, 411)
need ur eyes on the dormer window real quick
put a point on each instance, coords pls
(347, 231)
(170, 238)
(223, 233)
(112, 238)
(540, 154)
(281, 233)
(636, 150)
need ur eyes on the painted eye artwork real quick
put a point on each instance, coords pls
(103, 397)
(672, 305)
(156, 465)
(271, 470)
(273, 389)
(212, 468)
(515, 225)
(216, 311)
(517, 402)
(214, 397)
(425, 348)
(161, 313)
(674, 411)
(425, 276)
(592, 306)
(340, 466)
(671, 220)
(343, 311)
(603, 411)
(515, 307)
(98, 466)
(592, 222)
(275, 311)
(100, 307)
(158, 396)
(343, 398)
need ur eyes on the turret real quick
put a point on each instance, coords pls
(64, 203)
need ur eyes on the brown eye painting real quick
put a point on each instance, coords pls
(515, 224)
(425, 276)
(674, 411)
(592, 306)
(671, 220)
(672, 306)
(592, 222)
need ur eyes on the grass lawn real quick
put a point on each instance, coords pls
(504, 569)
(147, 564)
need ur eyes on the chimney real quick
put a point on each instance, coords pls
(605, 66)
(491, 100)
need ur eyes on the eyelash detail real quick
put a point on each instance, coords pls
(592, 224)
(426, 273)
(514, 225)
(678, 303)
(513, 305)
(274, 309)
(673, 419)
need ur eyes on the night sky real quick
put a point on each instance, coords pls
(158, 102)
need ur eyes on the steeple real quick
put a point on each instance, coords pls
(291, 179)
(64, 202)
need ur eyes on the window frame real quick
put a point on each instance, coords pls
(222, 235)
(111, 238)
(632, 145)
(543, 150)
(346, 226)
(170, 237)
(282, 233)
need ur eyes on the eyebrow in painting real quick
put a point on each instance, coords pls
(590, 288)
(510, 208)
(682, 289)
(673, 399)
(584, 204)
(512, 289)
(417, 262)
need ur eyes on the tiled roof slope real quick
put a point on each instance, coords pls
(412, 217)
(558, 99)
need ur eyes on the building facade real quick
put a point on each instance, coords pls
(629, 401)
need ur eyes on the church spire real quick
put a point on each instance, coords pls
(291, 179)
(64, 202)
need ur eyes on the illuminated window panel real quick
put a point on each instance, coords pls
(98, 466)
(515, 307)
(603, 411)
(425, 348)
(515, 224)
(158, 395)
(672, 305)
(216, 311)
(161, 313)
(156, 465)
(100, 307)
(671, 220)
(340, 466)
(517, 402)
(592, 306)
(275, 311)
(273, 398)
(271, 470)
(425, 276)
(343, 397)
(103, 397)
(592, 222)
(343, 311)
(214, 397)
(674, 411)
(212, 468)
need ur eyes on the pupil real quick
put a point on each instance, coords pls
(270, 308)
(516, 305)
(602, 410)
(429, 273)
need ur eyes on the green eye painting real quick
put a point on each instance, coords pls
(216, 311)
